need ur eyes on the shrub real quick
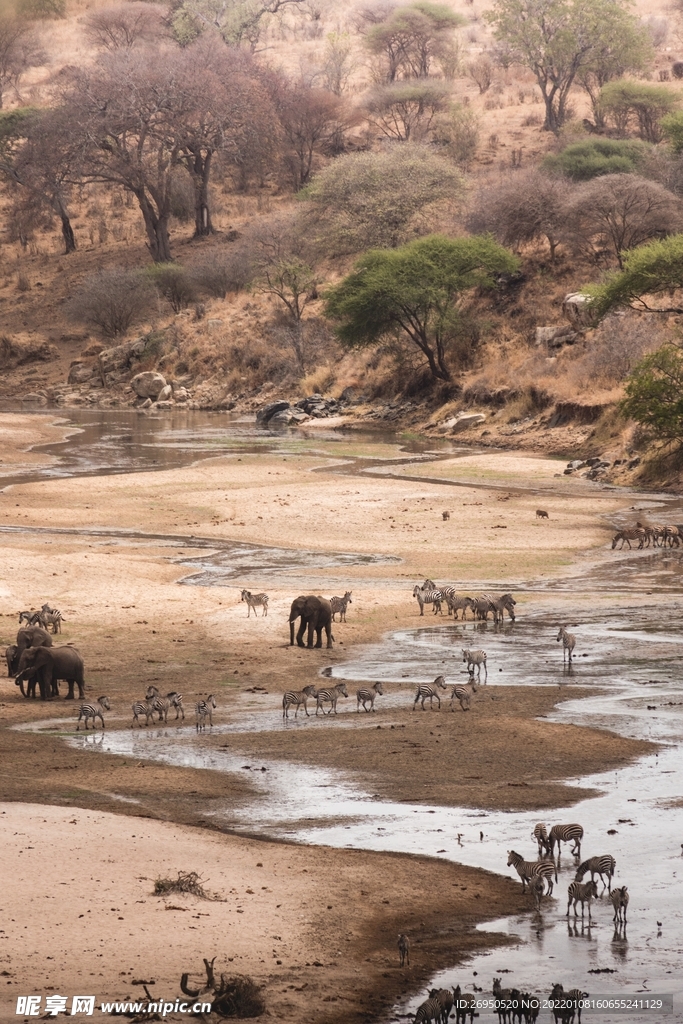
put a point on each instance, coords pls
(218, 273)
(112, 300)
(582, 161)
(628, 103)
(654, 394)
(174, 283)
(672, 130)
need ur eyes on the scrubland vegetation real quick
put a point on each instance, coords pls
(287, 196)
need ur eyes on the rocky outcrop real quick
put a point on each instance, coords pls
(120, 357)
(266, 412)
(148, 384)
(576, 308)
(556, 337)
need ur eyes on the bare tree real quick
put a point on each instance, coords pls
(121, 26)
(480, 71)
(521, 207)
(19, 50)
(616, 212)
(338, 62)
(313, 123)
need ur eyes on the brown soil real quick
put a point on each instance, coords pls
(134, 625)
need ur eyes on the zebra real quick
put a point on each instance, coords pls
(672, 536)
(430, 690)
(455, 601)
(431, 596)
(367, 694)
(331, 696)
(619, 900)
(52, 618)
(537, 888)
(581, 892)
(541, 836)
(565, 834)
(477, 658)
(481, 606)
(142, 707)
(568, 643)
(338, 604)
(162, 705)
(530, 869)
(204, 708)
(297, 697)
(569, 1003)
(464, 694)
(505, 998)
(26, 615)
(626, 536)
(500, 605)
(428, 1011)
(444, 997)
(403, 949)
(465, 1003)
(603, 865)
(93, 711)
(254, 600)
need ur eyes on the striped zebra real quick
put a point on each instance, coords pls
(203, 709)
(603, 865)
(626, 536)
(338, 604)
(162, 705)
(444, 997)
(142, 707)
(428, 1011)
(481, 606)
(367, 694)
(565, 834)
(569, 1003)
(430, 690)
(568, 643)
(464, 694)
(477, 658)
(537, 889)
(297, 698)
(25, 615)
(500, 605)
(254, 601)
(456, 602)
(465, 1003)
(541, 836)
(403, 949)
(530, 869)
(330, 695)
(93, 711)
(52, 618)
(431, 596)
(619, 900)
(581, 892)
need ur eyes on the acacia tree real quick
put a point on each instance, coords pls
(557, 40)
(124, 25)
(522, 207)
(411, 38)
(416, 292)
(238, 21)
(20, 50)
(626, 49)
(653, 269)
(406, 110)
(654, 394)
(367, 200)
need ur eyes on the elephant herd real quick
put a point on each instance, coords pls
(34, 661)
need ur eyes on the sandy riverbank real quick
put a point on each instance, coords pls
(135, 626)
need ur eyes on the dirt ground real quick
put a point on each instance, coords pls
(135, 626)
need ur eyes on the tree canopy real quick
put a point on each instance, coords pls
(651, 269)
(654, 393)
(415, 292)
(559, 40)
(592, 158)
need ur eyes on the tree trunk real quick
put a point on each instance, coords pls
(67, 234)
(201, 173)
(156, 226)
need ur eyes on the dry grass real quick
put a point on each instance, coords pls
(187, 882)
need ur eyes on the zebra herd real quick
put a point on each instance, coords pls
(47, 618)
(656, 536)
(481, 606)
(328, 695)
(536, 873)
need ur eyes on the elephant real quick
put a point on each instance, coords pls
(30, 636)
(46, 667)
(316, 614)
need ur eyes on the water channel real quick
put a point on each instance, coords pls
(633, 659)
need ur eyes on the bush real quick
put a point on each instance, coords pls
(219, 273)
(672, 130)
(582, 161)
(654, 394)
(635, 104)
(112, 300)
(174, 283)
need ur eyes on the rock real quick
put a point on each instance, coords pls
(576, 309)
(181, 394)
(35, 398)
(164, 404)
(121, 356)
(266, 412)
(348, 396)
(165, 394)
(633, 463)
(593, 462)
(80, 372)
(555, 337)
(148, 384)
(288, 417)
(576, 464)
(465, 420)
(146, 404)
(93, 350)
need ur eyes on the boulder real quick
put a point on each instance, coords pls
(80, 372)
(466, 420)
(120, 356)
(164, 404)
(165, 394)
(181, 394)
(266, 412)
(146, 404)
(288, 418)
(148, 384)
(576, 309)
(556, 337)
(576, 464)
(35, 398)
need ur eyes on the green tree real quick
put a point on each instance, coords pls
(406, 110)
(238, 21)
(654, 394)
(639, 105)
(416, 292)
(672, 129)
(412, 38)
(651, 269)
(558, 40)
(367, 200)
(626, 49)
(593, 158)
